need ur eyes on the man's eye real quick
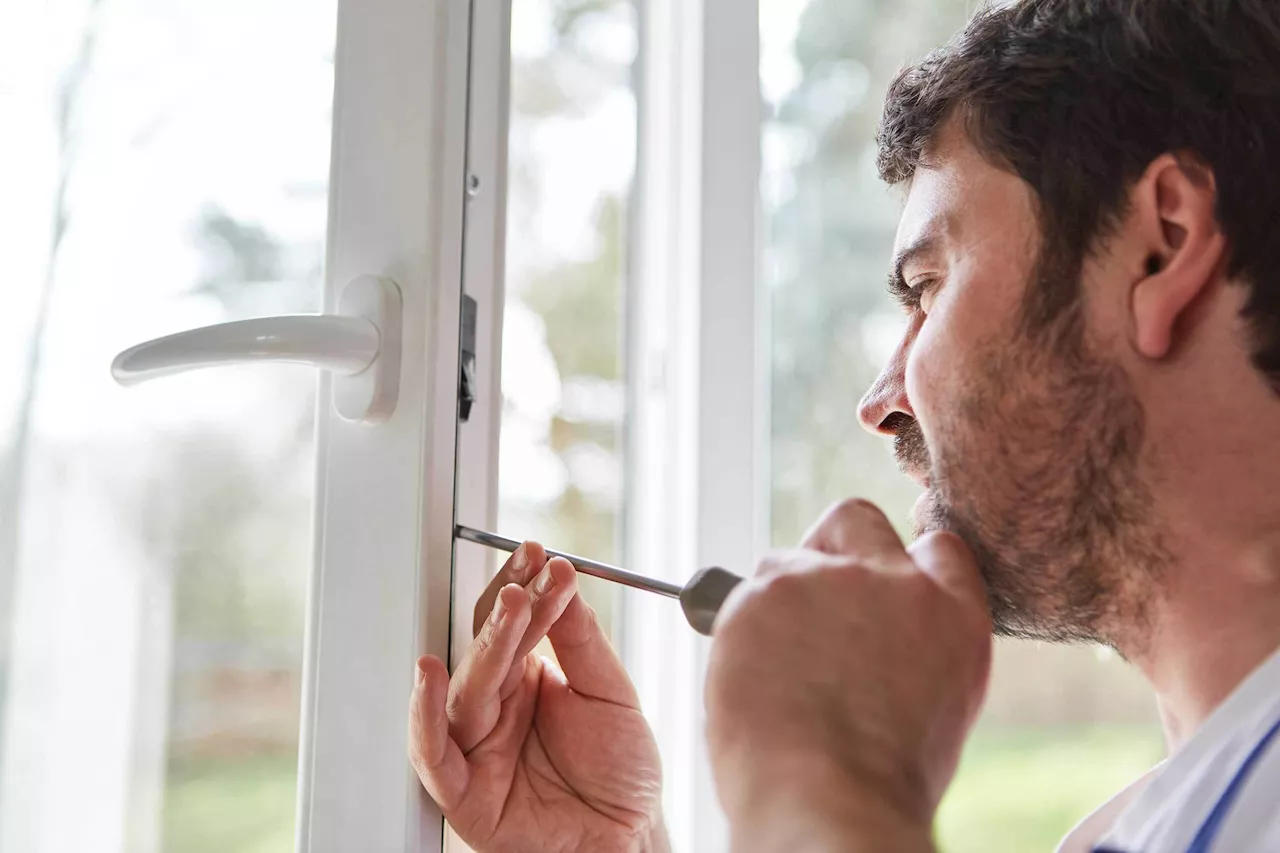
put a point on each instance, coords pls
(923, 291)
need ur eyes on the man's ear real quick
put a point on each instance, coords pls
(1173, 206)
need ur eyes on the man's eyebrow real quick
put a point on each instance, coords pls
(922, 245)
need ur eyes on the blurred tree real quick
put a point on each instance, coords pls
(220, 510)
(248, 271)
(578, 299)
(580, 303)
(238, 254)
(828, 245)
(15, 458)
(226, 525)
(235, 517)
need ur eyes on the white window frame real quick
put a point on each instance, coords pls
(380, 590)
(484, 280)
(699, 433)
(697, 430)
(379, 593)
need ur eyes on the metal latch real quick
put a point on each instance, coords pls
(467, 360)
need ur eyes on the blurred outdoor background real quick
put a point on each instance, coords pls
(164, 165)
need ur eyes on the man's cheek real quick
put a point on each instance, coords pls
(925, 383)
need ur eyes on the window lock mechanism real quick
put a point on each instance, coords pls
(467, 360)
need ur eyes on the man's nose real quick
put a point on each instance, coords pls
(885, 409)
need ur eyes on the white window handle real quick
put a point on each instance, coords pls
(360, 345)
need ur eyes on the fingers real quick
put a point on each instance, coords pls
(587, 659)
(549, 593)
(858, 529)
(474, 703)
(528, 559)
(435, 757)
(520, 613)
(950, 562)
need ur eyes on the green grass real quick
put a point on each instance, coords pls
(231, 805)
(1018, 791)
(1023, 790)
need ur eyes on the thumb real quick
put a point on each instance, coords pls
(946, 558)
(587, 659)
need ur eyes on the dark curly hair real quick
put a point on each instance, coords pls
(1078, 97)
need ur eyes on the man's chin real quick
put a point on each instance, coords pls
(926, 513)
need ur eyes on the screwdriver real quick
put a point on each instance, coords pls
(700, 598)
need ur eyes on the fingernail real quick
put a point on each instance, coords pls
(422, 673)
(545, 581)
(499, 609)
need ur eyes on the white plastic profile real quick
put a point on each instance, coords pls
(360, 345)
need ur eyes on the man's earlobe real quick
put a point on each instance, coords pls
(1187, 248)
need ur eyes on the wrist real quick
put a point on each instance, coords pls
(813, 806)
(657, 840)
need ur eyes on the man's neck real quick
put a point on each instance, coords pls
(1217, 621)
(1211, 461)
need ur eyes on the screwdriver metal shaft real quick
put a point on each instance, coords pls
(588, 567)
(700, 598)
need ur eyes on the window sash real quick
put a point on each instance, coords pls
(484, 277)
(379, 594)
(696, 371)
(698, 437)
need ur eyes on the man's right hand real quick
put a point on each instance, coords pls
(522, 756)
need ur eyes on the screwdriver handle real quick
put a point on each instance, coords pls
(704, 593)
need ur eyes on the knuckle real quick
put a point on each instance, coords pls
(944, 541)
(842, 517)
(850, 510)
(456, 699)
(588, 627)
(781, 587)
(483, 642)
(854, 507)
(771, 563)
(590, 619)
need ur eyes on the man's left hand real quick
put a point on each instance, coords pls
(842, 683)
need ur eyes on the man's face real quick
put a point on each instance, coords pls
(1027, 440)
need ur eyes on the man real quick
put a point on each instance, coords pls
(1088, 391)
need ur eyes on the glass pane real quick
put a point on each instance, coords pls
(571, 161)
(164, 166)
(1065, 727)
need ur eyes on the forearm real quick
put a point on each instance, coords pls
(658, 841)
(809, 831)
